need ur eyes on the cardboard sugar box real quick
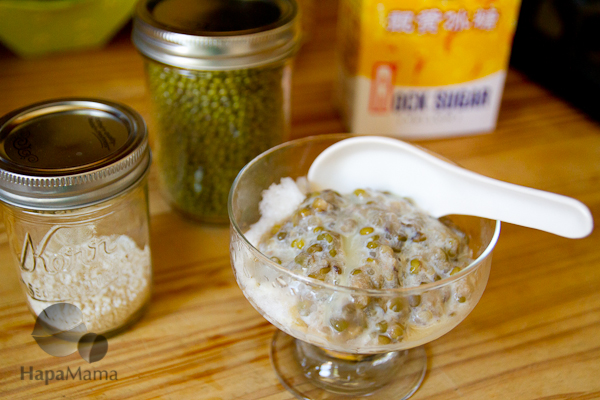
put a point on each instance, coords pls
(423, 69)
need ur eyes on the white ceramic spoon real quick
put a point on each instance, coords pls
(442, 188)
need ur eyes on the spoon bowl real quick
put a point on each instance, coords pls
(442, 188)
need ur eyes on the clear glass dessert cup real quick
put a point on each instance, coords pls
(343, 342)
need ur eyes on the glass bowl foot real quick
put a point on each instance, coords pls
(314, 373)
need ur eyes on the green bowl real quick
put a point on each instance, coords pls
(36, 27)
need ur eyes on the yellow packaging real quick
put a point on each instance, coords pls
(423, 68)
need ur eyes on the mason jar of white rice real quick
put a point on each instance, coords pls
(73, 191)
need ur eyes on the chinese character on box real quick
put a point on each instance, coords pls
(414, 71)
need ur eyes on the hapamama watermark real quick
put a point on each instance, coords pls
(59, 331)
(78, 374)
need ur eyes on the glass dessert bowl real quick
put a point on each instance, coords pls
(337, 340)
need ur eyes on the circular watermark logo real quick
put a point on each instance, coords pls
(60, 331)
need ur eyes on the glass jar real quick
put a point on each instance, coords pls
(219, 78)
(74, 195)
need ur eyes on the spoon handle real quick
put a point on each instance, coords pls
(441, 188)
(549, 212)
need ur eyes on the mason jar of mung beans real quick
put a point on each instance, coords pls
(219, 74)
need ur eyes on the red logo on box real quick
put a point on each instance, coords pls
(382, 87)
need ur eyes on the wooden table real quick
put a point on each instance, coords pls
(534, 335)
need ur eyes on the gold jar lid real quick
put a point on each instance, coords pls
(69, 153)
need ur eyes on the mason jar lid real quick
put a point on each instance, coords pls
(68, 153)
(216, 34)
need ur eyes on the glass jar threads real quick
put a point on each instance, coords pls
(73, 190)
(219, 77)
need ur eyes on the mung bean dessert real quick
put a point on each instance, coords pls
(366, 239)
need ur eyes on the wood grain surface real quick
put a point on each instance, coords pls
(534, 335)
